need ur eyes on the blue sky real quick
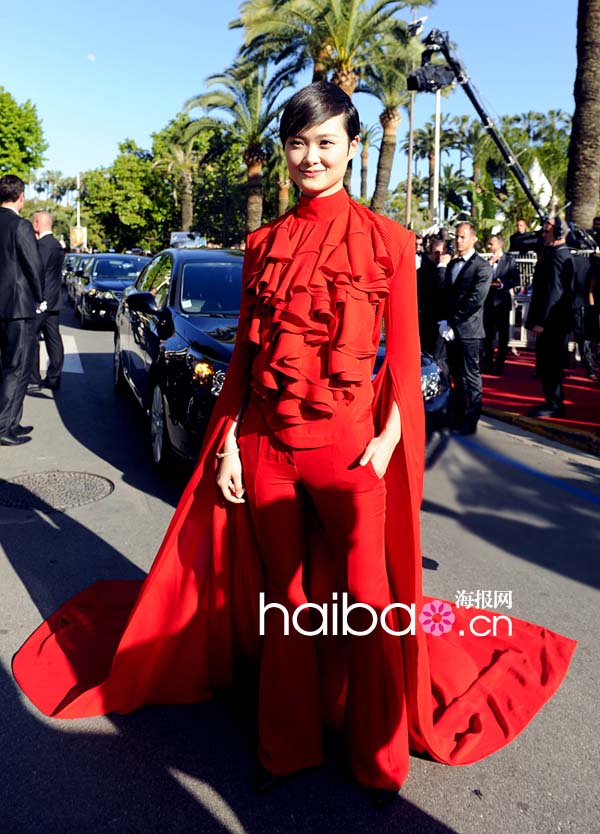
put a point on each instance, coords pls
(101, 73)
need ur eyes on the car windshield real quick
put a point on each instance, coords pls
(118, 267)
(212, 288)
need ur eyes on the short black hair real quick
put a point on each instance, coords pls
(436, 240)
(11, 188)
(315, 104)
(499, 237)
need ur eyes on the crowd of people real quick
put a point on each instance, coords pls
(465, 302)
(31, 261)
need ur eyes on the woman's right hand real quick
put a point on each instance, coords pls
(229, 479)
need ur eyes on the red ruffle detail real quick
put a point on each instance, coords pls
(316, 283)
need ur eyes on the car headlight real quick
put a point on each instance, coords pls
(202, 370)
(431, 383)
(104, 294)
(91, 292)
(205, 373)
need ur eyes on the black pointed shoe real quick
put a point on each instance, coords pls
(13, 440)
(21, 430)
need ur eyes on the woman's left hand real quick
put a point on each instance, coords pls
(379, 451)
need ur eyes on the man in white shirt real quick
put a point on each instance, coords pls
(466, 284)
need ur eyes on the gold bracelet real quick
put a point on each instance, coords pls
(230, 452)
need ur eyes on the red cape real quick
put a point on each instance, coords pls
(178, 636)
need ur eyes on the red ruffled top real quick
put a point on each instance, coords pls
(320, 276)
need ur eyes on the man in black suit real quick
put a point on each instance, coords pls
(498, 304)
(467, 280)
(21, 293)
(430, 277)
(550, 315)
(53, 256)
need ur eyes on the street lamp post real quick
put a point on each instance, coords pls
(409, 173)
(432, 78)
(436, 159)
(78, 206)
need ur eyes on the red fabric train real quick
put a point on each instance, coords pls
(179, 636)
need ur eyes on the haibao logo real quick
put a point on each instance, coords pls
(437, 617)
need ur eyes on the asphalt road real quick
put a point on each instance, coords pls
(504, 511)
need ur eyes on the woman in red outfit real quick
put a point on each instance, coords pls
(307, 436)
(308, 487)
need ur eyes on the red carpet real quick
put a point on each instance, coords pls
(518, 391)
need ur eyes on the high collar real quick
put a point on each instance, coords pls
(322, 208)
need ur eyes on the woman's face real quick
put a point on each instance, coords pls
(317, 158)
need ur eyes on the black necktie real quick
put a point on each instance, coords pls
(454, 274)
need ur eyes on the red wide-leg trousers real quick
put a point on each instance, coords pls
(301, 680)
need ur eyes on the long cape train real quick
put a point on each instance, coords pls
(178, 636)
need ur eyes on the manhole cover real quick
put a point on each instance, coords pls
(48, 491)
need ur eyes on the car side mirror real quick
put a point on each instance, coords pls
(69, 268)
(142, 302)
(79, 273)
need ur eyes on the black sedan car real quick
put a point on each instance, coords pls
(101, 286)
(74, 270)
(174, 335)
(175, 332)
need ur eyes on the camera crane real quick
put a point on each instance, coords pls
(431, 77)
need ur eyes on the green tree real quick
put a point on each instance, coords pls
(250, 102)
(454, 189)
(278, 172)
(220, 191)
(285, 31)
(385, 79)
(129, 201)
(181, 161)
(337, 37)
(368, 136)
(583, 178)
(355, 32)
(424, 148)
(22, 142)
(54, 186)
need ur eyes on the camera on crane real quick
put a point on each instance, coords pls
(430, 78)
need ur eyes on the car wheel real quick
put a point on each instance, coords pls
(119, 382)
(160, 444)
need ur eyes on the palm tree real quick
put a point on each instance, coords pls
(284, 31)
(530, 122)
(334, 36)
(250, 101)
(367, 137)
(278, 167)
(182, 161)
(385, 78)
(355, 32)
(453, 188)
(424, 148)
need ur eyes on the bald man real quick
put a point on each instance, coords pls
(52, 256)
